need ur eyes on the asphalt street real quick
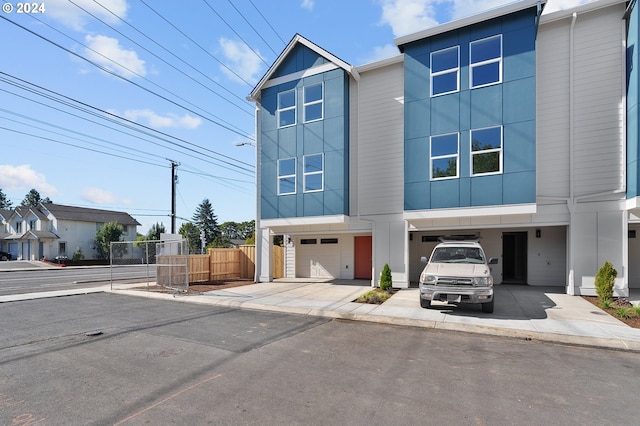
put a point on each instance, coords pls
(113, 359)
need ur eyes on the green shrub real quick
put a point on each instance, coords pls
(605, 279)
(385, 278)
(624, 313)
(77, 255)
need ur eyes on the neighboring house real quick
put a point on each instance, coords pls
(51, 230)
(517, 128)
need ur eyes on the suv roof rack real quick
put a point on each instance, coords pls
(460, 238)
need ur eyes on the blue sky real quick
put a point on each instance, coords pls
(183, 71)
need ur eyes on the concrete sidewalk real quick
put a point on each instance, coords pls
(537, 313)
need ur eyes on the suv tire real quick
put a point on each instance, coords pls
(425, 303)
(487, 308)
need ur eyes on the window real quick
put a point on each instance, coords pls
(125, 229)
(486, 61)
(62, 248)
(313, 103)
(308, 241)
(445, 69)
(99, 225)
(287, 176)
(313, 173)
(32, 225)
(486, 151)
(19, 227)
(444, 156)
(328, 241)
(287, 108)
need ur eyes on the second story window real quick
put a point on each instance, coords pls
(19, 227)
(287, 176)
(444, 156)
(287, 108)
(485, 61)
(313, 173)
(313, 103)
(32, 225)
(445, 71)
(486, 151)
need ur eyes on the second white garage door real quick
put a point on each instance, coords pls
(318, 258)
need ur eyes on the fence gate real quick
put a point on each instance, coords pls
(173, 265)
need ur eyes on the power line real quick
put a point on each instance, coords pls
(252, 27)
(124, 78)
(268, 23)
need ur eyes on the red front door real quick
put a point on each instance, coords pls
(363, 255)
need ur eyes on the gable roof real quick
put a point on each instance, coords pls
(298, 39)
(83, 214)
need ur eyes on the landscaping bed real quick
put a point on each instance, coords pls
(621, 311)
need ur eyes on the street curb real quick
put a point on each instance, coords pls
(565, 339)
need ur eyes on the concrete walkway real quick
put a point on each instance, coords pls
(536, 313)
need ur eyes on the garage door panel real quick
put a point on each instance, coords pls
(318, 260)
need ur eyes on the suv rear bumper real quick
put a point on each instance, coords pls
(467, 294)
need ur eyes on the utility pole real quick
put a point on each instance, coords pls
(174, 181)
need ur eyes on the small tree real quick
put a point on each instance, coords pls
(111, 231)
(605, 280)
(385, 279)
(5, 203)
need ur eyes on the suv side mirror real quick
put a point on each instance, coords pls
(423, 259)
(493, 261)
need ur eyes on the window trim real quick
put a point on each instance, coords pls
(443, 72)
(486, 151)
(473, 65)
(439, 157)
(281, 177)
(289, 108)
(305, 104)
(305, 173)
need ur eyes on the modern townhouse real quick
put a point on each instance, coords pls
(512, 126)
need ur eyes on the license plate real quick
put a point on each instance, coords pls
(454, 298)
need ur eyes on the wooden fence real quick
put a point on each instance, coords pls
(229, 264)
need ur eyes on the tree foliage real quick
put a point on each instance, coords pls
(191, 233)
(206, 221)
(237, 231)
(4, 201)
(385, 279)
(111, 231)
(33, 198)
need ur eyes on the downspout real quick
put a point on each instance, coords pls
(258, 239)
(571, 286)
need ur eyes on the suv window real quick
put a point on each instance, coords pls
(457, 255)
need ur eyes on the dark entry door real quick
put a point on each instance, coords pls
(514, 257)
(363, 255)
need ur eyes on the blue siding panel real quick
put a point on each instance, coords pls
(633, 97)
(510, 104)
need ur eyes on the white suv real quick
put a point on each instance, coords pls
(457, 272)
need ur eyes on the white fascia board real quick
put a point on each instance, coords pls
(300, 74)
(633, 203)
(381, 63)
(471, 212)
(254, 96)
(310, 220)
(464, 22)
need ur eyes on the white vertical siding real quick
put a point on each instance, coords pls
(380, 141)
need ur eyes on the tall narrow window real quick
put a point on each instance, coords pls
(313, 173)
(313, 103)
(287, 108)
(486, 61)
(445, 71)
(444, 156)
(287, 176)
(486, 151)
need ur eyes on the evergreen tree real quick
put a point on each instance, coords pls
(206, 221)
(33, 198)
(155, 231)
(4, 201)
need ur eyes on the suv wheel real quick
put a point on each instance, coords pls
(487, 308)
(425, 303)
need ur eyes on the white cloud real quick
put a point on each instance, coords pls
(23, 177)
(123, 62)
(170, 120)
(381, 52)
(73, 17)
(307, 4)
(243, 61)
(410, 16)
(98, 196)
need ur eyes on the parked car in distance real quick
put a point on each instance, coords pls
(5, 256)
(457, 272)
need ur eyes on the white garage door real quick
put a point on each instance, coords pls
(318, 258)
